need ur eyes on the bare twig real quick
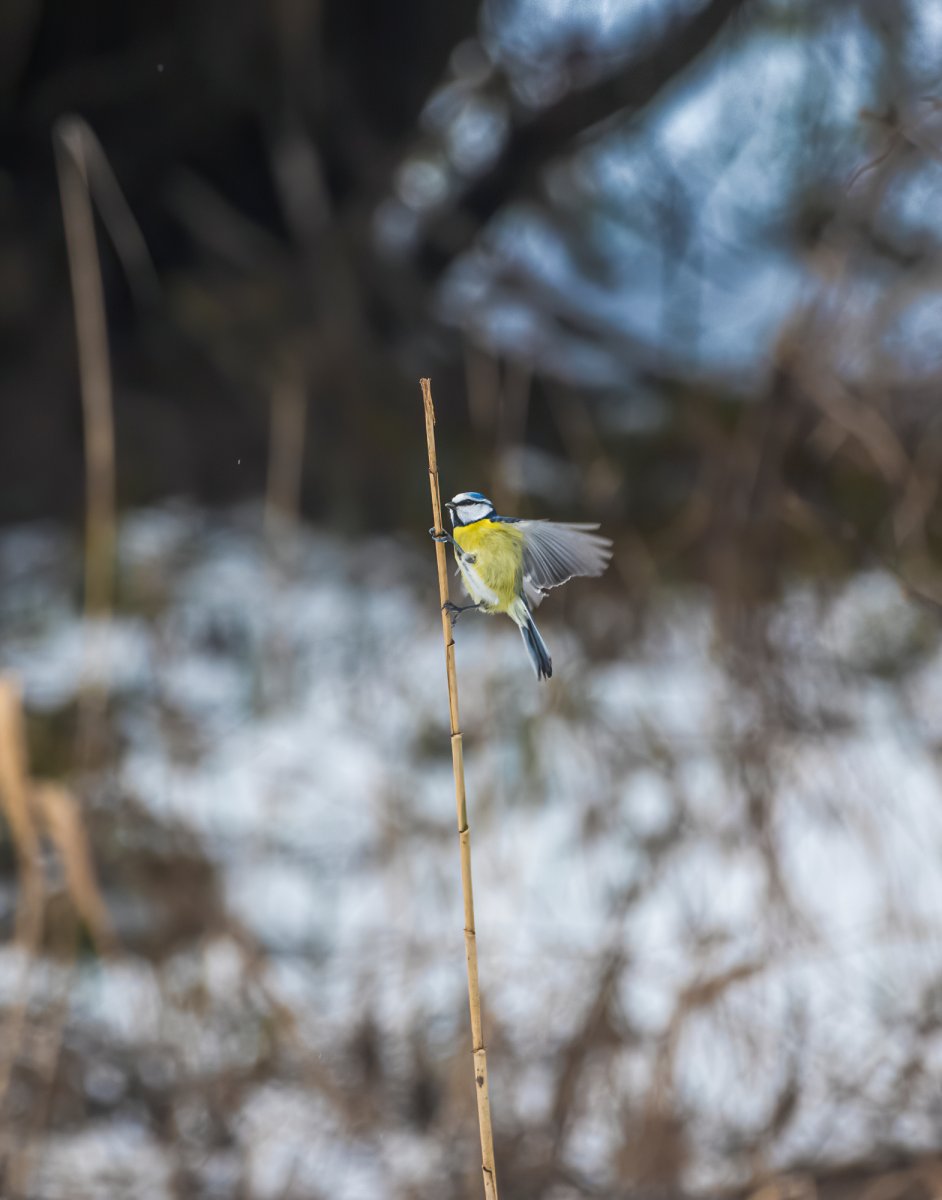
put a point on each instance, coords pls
(464, 833)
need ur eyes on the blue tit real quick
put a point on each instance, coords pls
(508, 565)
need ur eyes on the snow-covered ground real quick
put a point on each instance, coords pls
(752, 847)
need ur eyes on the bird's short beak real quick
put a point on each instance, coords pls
(448, 504)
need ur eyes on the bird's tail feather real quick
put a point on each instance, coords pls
(536, 647)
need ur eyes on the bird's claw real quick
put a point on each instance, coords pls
(454, 612)
(446, 538)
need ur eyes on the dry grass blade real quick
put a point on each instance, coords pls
(94, 366)
(26, 806)
(14, 777)
(63, 819)
(15, 804)
(464, 832)
(77, 153)
(115, 212)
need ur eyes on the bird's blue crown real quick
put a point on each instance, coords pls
(468, 507)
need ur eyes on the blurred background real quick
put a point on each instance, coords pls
(675, 267)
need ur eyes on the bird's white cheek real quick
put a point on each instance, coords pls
(474, 512)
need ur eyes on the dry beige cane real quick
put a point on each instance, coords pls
(71, 143)
(464, 833)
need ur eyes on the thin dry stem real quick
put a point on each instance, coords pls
(28, 806)
(74, 146)
(285, 451)
(114, 211)
(464, 832)
(94, 365)
(30, 904)
(43, 1060)
(288, 422)
(62, 815)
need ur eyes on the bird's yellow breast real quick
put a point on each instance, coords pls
(497, 547)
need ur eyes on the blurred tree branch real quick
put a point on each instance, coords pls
(536, 139)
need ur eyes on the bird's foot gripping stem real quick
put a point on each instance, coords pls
(455, 610)
(442, 536)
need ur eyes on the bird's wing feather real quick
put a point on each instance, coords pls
(554, 553)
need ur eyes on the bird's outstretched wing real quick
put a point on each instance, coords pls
(554, 553)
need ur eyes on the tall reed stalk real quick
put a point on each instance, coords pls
(91, 332)
(71, 141)
(464, 832)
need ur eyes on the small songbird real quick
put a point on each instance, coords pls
(508, 565)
